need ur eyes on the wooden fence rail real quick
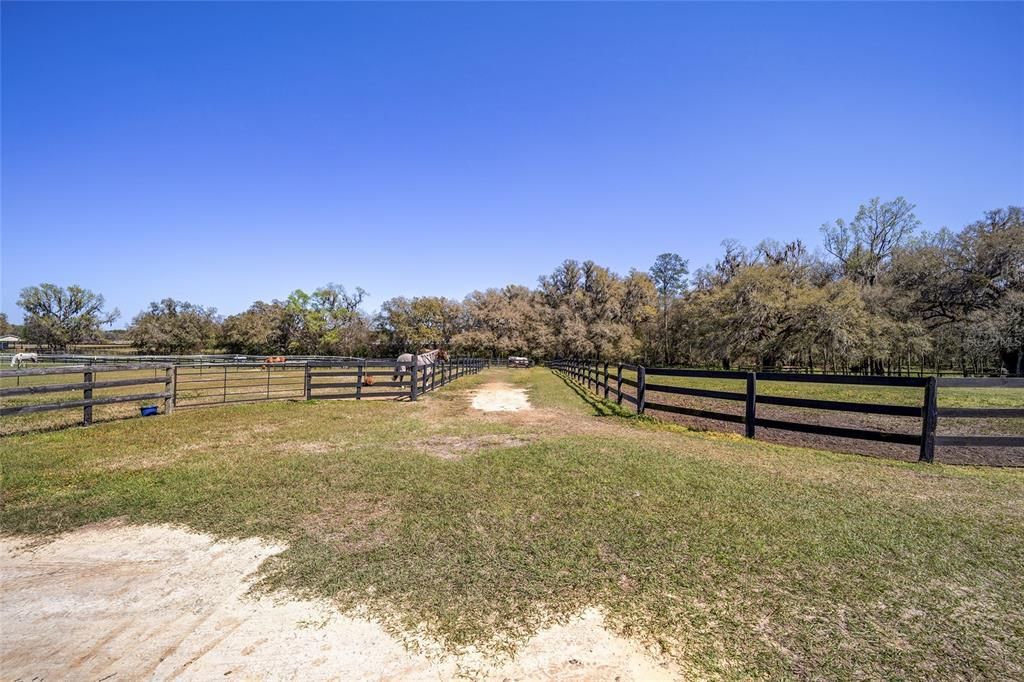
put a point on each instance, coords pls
(218, 383)
(606, 379)
(87, 385)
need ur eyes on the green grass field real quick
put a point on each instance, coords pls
(736, 559)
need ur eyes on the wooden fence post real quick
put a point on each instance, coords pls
(359, 379)
(929, 421)
(226, 384)
(618, 385)
(87, 395)
(307, 387)
(433, 373)
(750, 416)
(641, 388)
(169, 388)
(606, 381)
(412, 387)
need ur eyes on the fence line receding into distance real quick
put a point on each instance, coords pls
(606, 379)
(207, 384)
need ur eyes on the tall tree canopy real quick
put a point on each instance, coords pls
(172, 326)
(59, 318)
(669, 276)
(882, 296)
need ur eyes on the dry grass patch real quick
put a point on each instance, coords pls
(355, 524)
(457, 447)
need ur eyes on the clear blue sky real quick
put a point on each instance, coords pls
(223, 153)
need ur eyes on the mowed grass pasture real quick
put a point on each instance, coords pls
(730, 558)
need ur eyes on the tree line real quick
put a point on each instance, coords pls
(878, 295)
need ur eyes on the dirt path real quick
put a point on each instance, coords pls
(497, 396)
(112, 601)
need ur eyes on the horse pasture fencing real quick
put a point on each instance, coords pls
(656, 389)
(205, 384)
(118, 384)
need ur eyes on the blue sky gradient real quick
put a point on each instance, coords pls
(223, 153)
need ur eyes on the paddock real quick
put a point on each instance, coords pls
(559, 536)
(56, 395)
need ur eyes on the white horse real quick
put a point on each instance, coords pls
(20, 358)
(424, 359)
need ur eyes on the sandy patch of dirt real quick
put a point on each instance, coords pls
(118, 601)
(500, 397)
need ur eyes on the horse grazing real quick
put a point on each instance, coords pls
(424, 359)
(20, 358)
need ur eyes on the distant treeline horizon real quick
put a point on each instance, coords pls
(880, 295)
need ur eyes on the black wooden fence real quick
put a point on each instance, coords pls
(606, 380)
(379, 379)
(206, 384)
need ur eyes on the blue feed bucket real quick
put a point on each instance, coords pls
(149, 410)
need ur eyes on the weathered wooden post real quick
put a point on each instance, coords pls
(87, 395)
(226, 384)
(307, 385)
(606, 381)
(618, 385)
(929, 421)
(359, 379)
(750, 415)
(641, 388)
(412, 387)
(170, 383)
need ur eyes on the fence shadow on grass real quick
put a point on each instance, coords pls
(601, 407)
(35, 428)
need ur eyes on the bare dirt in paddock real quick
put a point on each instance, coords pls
(500, 397)
(113, 601)
(455, 447)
